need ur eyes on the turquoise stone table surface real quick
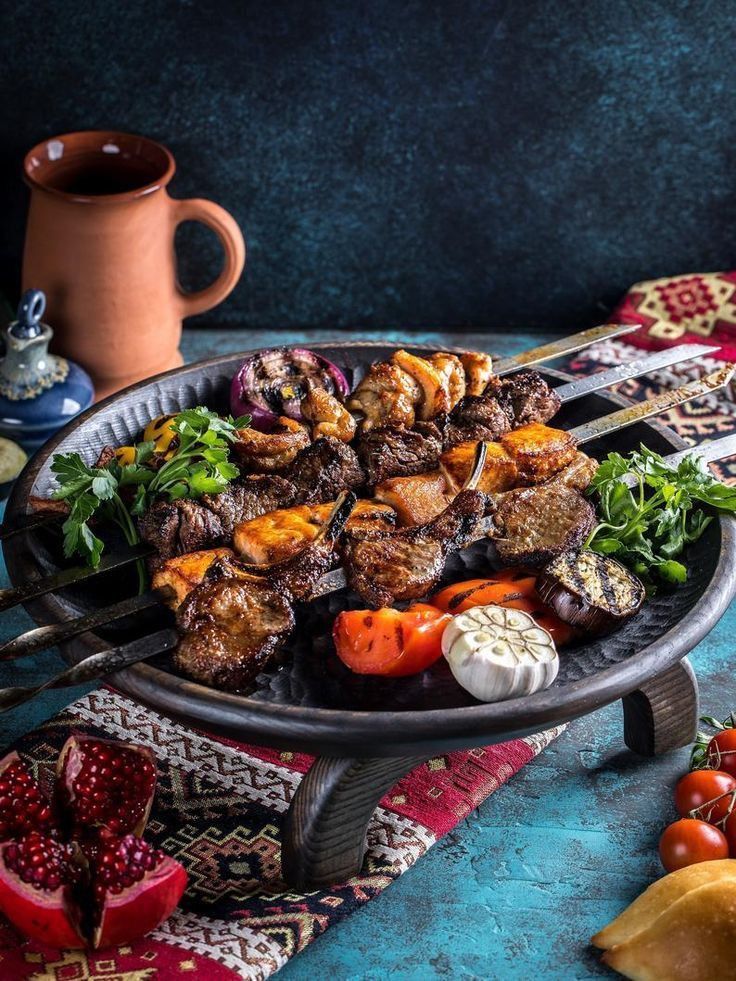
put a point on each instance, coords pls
(516, 890)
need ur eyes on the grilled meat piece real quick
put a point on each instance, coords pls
(175, 527)
(451, 367)
(386, 396)
(182, 573)
(539, 451)
(392, 451)
(478, 371)
(248, 498)
(525, 397)
(476, 417)
(321, 470)
(236, 619)
(231, 630)
(328, 416)
(500, 472)
(259, 452)
(535, 524)
(577, 474)
(280, 534)
(384, 567)
(433, 384)
(416, 500)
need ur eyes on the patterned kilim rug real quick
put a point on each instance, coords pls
(220, 805)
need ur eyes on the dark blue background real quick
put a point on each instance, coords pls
(468, 163)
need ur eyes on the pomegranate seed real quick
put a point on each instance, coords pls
(23, 807)
(42, 861)
(122, 862)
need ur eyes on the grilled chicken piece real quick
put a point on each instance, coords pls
(499, 472)
(386, 396)
(183, 572)
(392, 451)
(259, 452)
(525, 397)
(384, 567)
(239, 616)
(476, 417)
(539, 451)
(416, 500)
(282, 533)
(328, 416)
(451, 367)
(433, 383)
(478, 371)
(536, 524)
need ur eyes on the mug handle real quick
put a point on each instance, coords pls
(231, 238)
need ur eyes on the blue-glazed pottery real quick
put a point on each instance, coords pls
(39, 392)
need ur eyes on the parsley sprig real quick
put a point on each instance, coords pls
(199, 464)
(649, 511)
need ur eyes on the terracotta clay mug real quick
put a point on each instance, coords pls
(100, 244)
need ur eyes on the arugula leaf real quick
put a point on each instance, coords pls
(648, 511)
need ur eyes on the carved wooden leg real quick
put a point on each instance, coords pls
(325, 828)
(663, 713)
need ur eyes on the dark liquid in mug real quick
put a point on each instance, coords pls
(102, 176)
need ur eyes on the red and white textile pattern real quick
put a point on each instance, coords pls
(219, 809)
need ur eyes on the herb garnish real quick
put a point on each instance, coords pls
(649, 511)
(199, 464)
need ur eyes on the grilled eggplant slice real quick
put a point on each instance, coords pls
(590, 591)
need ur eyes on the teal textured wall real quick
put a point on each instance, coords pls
(459, 162)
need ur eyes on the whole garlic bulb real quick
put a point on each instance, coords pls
(497, 653)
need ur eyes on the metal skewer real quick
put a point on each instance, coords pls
(68, 577)
(611, 423)
(39, 638)
(93, 667)
(589, 430)
(562, 347)
(545, 352)
(48, 636)
(103, 663)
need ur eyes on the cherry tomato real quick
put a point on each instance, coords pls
(390, 642)
(688, 841)
(722, 751)
(695, 790)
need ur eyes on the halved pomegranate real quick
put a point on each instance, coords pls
(105, 784)
(136, 887)
(38, 878)
(23, 805)
(102, 885)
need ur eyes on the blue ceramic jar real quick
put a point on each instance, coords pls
(39, 392)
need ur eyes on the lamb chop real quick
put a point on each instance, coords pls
(239, 615)
(386, 566)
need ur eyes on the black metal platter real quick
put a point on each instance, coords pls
(309, 700)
